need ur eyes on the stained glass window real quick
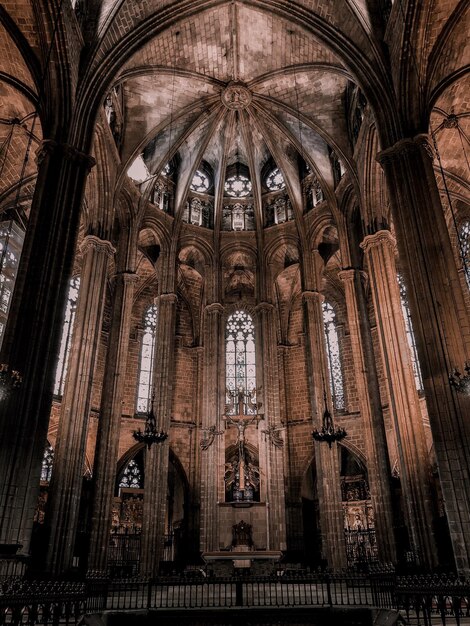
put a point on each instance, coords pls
(66, 339)
(132, 476)
(464, 235)
(47, 461)
(410, 333)
(200, 182)
(334, 356)
(11, 243)
(237, 186)
(275, 180)
(240, 357)
(144, 390)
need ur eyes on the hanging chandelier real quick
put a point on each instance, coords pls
(150, 434)
(461, 382)
(328, 432)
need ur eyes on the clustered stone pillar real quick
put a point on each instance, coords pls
(378, 464)
(157, 458)
(272, 427)
(333, 546)
(32, 333)
(440, 321)
(380, 250)
(109, 426)
(69, 455)
(210, 419)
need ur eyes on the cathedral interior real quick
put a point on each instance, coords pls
(235, 285)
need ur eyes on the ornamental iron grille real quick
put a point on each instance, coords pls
(464, 236)
(66, 339)
(132, 476)
(238, 186)
(275, 180)
(147, 355)
(410, 333)
(47, 462)
(240, 356)
(334, 356)
(200, 182)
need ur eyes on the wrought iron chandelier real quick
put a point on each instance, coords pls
(150, 434)
(328, 432)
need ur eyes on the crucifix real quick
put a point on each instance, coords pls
(241, 402)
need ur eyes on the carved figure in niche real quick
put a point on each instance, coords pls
(242, 534)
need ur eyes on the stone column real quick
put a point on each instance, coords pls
(69, 454)
(157, 458)
(415, 476)
(440, 321)
(271, 429)
(211, 427)
(33, 331)
(333, 547)
(378, 464)
(109, 426)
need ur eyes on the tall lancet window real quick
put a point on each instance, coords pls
(240, 357)
(144, 389)
(410, 333)
(11, 244)
(66, 340)
(334, 356)
(464, 236)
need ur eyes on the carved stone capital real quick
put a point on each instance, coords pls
(126, 277)
(314, 296)
(264, 307)
(379, 239)
(403, 146)
(48, 147)
(171, 298)
(347, 275)
(215, 308)
(91, 242)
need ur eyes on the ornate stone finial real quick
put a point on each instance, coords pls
(236, 96)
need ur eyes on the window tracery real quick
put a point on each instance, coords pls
(132, 476)
(275, 180)
(66, 339)
(238, 186)
(334, 356)
(240, 356)
(410, 333)
(238, 216)
(11, 243)
(464, 236)
(201, 182)
(144, 389)
(47, 462)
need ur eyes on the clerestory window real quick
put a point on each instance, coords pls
(405, 307)
(144, 388)
(464, 236)
(334, 356)
(240, 354)
(66, 339)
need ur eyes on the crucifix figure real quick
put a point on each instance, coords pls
(244, 474)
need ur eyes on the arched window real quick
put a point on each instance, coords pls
(66, 340)
(144, 390)
(464, 237)
(334, 356)
(11, 244)
(410, 334)
(240, 357)
(132, 476)
(47, 462)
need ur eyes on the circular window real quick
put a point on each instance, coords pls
(200, 182)
(237, 186)
(275, 180)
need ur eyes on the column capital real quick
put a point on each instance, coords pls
(378, 239)
(48, 147)
(171, 298)
(97, 244)
(264, 307)
(407, 145)
(127, 277)
(312, 295)
(347, 274)
(215, 308)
